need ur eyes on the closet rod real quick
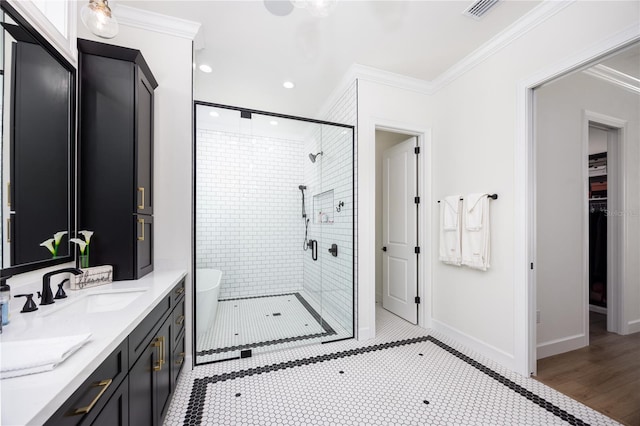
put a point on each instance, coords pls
(492, 196)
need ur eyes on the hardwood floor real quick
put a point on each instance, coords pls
(604, 375)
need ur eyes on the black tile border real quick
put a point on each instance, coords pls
(195, 408)
(328, 330)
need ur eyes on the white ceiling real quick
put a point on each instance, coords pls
(253, 51)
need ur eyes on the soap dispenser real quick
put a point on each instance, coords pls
(5, 296)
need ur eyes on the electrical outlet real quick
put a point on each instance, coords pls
(537, 317)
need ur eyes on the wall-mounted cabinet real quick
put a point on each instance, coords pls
(116, 157)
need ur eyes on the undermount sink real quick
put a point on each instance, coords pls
(96, 302)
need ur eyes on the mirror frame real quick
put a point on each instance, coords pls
(8, 9)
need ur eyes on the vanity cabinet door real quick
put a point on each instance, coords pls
(150, 381)
(144, 244)
(144, 146)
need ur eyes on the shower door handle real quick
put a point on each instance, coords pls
(314, 249)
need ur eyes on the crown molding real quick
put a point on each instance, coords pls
(523, 25)
(615, 77)
(152, 21)
(363, 72)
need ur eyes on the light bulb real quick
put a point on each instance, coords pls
(321, 8)
(97, 17)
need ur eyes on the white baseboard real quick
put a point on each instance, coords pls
(559, 346)
(364, 333)
(498, 355)
(633, 326)
(598, 309)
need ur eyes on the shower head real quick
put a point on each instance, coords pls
(312, 157)
(302, 187)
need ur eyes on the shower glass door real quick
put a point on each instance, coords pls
(273, 195)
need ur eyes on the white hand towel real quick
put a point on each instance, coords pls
(23, 357)
(450, 239)
(476, 244)
(451, 212)
(473, 211)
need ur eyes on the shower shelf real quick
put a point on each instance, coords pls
(323, 208)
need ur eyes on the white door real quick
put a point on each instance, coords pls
(399, 230)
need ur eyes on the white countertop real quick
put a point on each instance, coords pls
(33, 399)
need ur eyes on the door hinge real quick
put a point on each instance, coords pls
(417, 299)
(417, 200)
(416, 150)
(532, 266)
(417, 250)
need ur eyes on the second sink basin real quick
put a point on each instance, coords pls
(96, 302)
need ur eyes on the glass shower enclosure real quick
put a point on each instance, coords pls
(274, 232)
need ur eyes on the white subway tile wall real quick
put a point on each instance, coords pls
(330, 280)
(248, 212)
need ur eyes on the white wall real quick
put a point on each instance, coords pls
(560, 193)
(475, 126)
(173, 105)
(384, 106)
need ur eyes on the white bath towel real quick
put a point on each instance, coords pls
(24, 357)
(476, 241)
(450, 208)
(450, 235)
(473, 211)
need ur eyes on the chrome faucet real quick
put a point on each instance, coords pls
(46, 297)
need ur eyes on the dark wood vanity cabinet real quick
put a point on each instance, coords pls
(133, 386)
(116, 157)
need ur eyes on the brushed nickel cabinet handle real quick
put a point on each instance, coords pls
(105, 385)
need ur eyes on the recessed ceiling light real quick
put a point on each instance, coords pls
(214, 114)
(205, 68)
(288, 85)
(273, 122)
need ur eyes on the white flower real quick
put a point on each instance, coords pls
(80, 244)
(58, 236)
(49, 245)
(87, 235)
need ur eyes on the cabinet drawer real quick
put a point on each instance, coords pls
(178, 292)
(140, 338)
(177, 359)
(92, 396)
(178, 320)
(116, 411)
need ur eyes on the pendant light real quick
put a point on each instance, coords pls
(97, 17)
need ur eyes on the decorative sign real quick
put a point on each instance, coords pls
(92, 277)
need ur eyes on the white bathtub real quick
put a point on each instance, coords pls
(207, 289)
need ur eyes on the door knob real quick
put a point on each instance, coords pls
(384, 249)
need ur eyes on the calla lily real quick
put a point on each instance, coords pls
(58, 236)
(49, 245)
(87, 235)
(80, 244)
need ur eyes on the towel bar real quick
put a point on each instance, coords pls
(492, 196)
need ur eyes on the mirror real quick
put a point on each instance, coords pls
(38, 148)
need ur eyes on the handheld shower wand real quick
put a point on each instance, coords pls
(302, 188)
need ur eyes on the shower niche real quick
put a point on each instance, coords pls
(323, 208)
(263, 195)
